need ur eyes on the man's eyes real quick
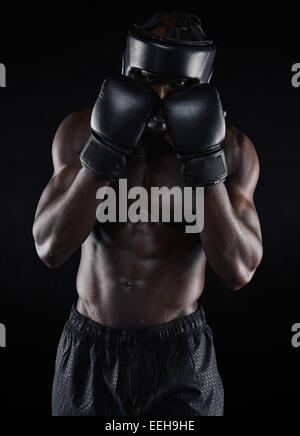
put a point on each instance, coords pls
(147, 77)
(179, 84)
(151, 78)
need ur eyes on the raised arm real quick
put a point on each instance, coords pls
(232, 237)
(228, 170)
(66, 213)
(86, 158)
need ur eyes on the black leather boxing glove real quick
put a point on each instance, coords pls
(119, 118)
(196, 123)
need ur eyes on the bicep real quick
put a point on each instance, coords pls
(243, 166)
(63, 150)
(69, 140)
(67, 144)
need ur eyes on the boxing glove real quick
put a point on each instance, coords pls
(196, 124)
(119, 118)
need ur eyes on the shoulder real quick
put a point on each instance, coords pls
(75, 128)
(70, 137)
(241, 157)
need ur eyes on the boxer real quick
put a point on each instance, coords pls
(137, 342)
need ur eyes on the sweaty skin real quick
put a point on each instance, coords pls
(136, 275)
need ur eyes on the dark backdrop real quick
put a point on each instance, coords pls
(56, 67)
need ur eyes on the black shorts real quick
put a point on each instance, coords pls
(166, 370)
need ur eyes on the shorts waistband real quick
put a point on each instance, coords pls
(179, 327)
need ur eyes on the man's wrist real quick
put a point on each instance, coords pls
(101, 160)
(90, 180)
(205, 170)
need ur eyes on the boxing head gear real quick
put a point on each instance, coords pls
(183, 52)
(172, 55)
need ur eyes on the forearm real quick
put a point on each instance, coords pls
(232, 243)
(65, 220)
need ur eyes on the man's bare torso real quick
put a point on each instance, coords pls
(138, 275)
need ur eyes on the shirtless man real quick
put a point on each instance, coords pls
(137, 344)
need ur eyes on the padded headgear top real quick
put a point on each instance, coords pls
(171, 55)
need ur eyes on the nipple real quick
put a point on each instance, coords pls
(129, 285)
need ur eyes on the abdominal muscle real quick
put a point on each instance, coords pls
(133, 276)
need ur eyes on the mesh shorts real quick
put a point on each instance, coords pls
(165, 370)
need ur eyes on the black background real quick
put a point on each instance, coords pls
(55, 65)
